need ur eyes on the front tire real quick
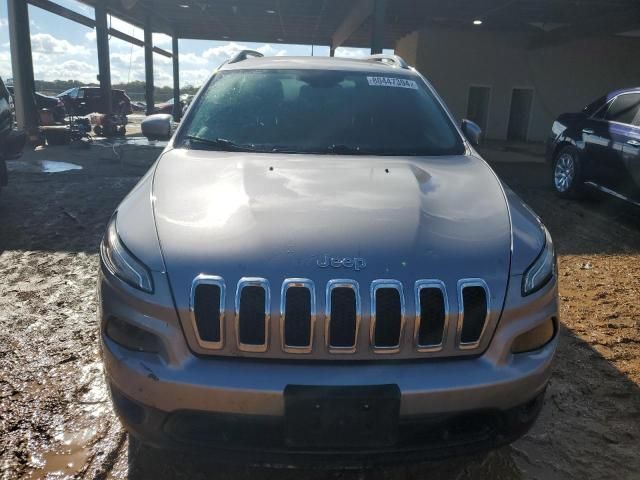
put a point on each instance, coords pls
(566, 175)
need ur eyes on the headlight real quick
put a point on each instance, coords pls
(120, 262)
(542, 270)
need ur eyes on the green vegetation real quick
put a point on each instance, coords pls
(135, 90)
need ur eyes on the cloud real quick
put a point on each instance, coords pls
(217, 55)
(91, 35)
(125, 27)
(48, 44)
(76, 6)
(351, 52)
(270, 51)
(161, 40)
(67, 70)
(5, 64)
(192, 59)
(194, 77)
(4, 22)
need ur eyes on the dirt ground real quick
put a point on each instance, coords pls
(55, 417)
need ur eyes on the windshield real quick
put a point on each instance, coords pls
(593, 107)
(72, 92)
(320, 112)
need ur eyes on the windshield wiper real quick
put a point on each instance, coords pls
(221, 144)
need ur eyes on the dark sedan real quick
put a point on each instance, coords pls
(53, 104)
(598, 148)
(82, 101)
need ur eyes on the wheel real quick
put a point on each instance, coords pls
(567, 173)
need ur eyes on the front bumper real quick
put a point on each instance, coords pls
(249, 387)
(260, 440)
(176, 398)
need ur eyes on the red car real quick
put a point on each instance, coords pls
(167, 107)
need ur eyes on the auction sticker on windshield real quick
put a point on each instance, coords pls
(392, 82)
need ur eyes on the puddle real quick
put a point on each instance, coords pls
(67, 459)
(41, 166)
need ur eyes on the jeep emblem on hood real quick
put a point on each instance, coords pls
(342, 262)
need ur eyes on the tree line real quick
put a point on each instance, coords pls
(135, 90)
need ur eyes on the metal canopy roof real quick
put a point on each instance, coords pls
(348, 22)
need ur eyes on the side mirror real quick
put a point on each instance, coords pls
(472, 131)
(157, 127)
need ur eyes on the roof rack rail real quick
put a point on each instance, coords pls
(393, 60)
(243, 55)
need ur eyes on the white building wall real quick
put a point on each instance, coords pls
(565, 77)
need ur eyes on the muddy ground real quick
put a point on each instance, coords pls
(55, 417)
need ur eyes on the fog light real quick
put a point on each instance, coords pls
(536, 338)
(131, 337)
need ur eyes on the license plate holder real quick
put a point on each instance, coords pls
(341, 417)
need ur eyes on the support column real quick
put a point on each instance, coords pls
(148, 66)
(177, 109)
(22, 65)
(104, 62)
(377, 31)
(332, 51)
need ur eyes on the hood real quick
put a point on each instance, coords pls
(280, 216)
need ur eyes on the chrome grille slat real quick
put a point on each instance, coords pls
(297, 332)
(252, 284)
(195, 311)
(381, 326)
(473, 331)
(308, 285)
(423, 310)
(342, 284)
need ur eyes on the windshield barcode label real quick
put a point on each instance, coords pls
(392, 82)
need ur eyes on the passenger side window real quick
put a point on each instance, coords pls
(624, 109)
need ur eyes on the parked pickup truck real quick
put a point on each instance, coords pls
(11, 141)
(320, 268)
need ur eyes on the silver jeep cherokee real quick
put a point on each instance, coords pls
(321, 269)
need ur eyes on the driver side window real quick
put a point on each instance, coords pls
(624, 109)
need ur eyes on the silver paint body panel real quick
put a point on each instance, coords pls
(276, 217)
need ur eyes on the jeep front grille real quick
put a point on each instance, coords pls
(396, 320)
